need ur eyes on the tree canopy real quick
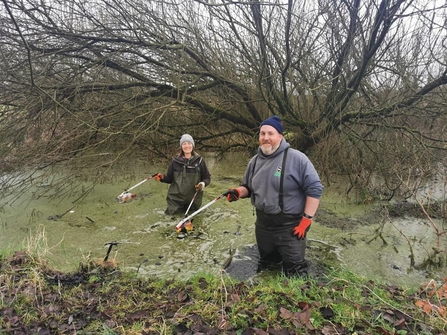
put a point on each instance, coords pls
(350, 79)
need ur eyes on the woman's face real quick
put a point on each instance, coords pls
(187, 147)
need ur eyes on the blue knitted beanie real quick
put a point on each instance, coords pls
(273, 121)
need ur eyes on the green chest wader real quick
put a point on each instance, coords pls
(182, 190)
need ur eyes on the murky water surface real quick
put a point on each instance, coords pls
(66, 230)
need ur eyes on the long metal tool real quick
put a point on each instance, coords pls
(188, 227)
(122, 195)
(181, 223)
(193, 198)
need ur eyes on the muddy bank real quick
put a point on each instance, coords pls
(99, 298)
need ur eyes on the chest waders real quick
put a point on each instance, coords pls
(274, 237)
(281, 179)
(182, 189)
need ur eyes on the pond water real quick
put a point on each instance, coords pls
(66, 230)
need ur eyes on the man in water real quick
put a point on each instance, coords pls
(285, 190)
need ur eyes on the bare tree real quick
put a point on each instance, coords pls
(107, 78)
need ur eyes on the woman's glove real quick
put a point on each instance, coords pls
(159, 176)
(303, 227)
(233, 194)
(200, 186)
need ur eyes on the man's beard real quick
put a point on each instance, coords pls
(268, 149)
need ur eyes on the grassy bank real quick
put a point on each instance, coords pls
(100, 299)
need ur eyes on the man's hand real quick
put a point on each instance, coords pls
(303, 227)
(159, 176)
(233, 194)
(200, 186)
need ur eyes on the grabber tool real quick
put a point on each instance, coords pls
(187, 225)
(179, 225)
(126, 195)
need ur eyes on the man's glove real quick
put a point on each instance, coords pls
(232, 194)
(159, 176)
(200, 186)
(303, 227)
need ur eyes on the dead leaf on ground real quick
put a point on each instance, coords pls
(285, 313)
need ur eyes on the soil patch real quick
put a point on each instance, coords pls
(407, 209)
(328, 218)
(404, 209)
